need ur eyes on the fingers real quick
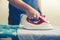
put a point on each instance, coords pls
(33, 15)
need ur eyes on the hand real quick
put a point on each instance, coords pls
(33, 14)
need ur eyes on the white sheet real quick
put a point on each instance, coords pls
(25, 34)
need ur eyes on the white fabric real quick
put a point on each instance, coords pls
(25, 34)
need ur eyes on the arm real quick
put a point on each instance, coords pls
(30, 12)
(20, 4)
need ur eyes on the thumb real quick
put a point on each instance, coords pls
(44, 19)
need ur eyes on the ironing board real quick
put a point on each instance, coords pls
(8, 32)
(24, 34)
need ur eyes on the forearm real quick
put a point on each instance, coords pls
(20, 4)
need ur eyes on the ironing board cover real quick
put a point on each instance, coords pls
(8, 31)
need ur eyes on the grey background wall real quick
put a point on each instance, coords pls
(51, 8)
